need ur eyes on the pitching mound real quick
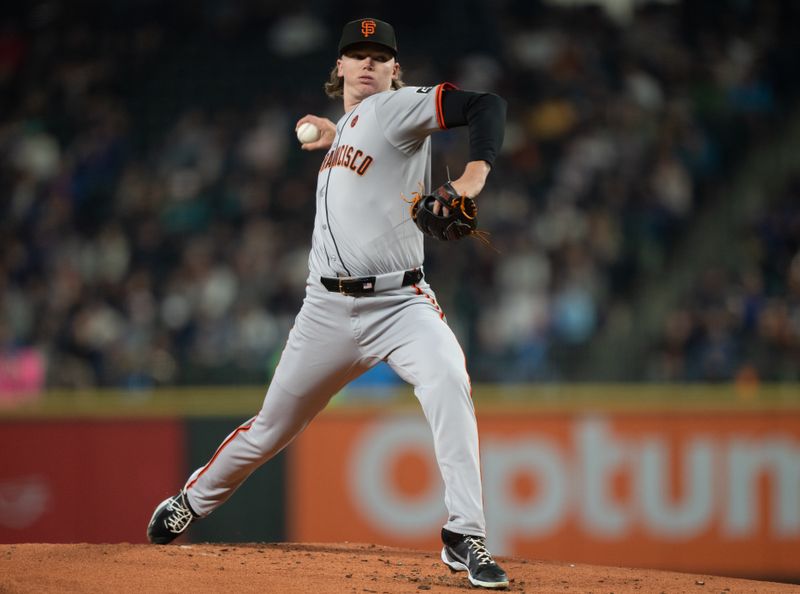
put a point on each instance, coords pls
(313, 568)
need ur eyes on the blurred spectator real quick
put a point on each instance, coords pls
(743, 323)
(157, 213)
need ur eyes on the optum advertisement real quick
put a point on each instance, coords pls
(710, 492)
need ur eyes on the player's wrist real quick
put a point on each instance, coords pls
(473, 179)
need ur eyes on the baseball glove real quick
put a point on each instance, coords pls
(461, 220)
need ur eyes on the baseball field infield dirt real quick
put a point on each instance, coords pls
(314, 568)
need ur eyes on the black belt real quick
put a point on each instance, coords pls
(365, 285)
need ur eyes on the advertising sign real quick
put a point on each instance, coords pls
(86, 481)
(716, 492)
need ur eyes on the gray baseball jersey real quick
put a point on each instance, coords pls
(363, 228)
(382, 148)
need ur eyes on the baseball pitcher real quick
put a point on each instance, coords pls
(367, 299)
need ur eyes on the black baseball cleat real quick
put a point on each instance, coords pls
(171, 518)
(462, 552)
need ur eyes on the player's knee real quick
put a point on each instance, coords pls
(451, 377)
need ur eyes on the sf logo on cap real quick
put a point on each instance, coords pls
(367, 28)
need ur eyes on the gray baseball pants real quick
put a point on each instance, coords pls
(335, 339)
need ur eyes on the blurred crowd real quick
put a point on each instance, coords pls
(156, 211)
(742, 324)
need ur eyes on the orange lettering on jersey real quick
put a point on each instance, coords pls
(362, 169)
(349, 157)
(367, 27)
(326, 161)
(356, 157)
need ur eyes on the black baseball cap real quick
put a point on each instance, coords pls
(368, 31)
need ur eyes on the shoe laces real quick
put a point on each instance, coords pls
(478, 547)
(181, 516)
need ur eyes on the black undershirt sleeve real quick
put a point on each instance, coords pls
(484, 114)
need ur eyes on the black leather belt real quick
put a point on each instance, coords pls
(365, 285)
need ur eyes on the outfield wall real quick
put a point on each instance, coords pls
(706, 479)
(716, 493)
(98, 480)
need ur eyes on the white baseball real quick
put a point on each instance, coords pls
(308, 132)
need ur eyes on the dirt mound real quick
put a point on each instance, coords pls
(313, 568)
